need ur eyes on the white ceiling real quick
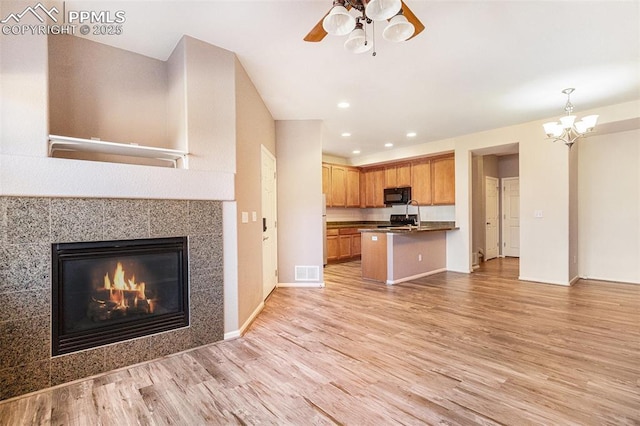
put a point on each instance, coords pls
(478, 65)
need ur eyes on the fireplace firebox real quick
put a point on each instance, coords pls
(110, 291)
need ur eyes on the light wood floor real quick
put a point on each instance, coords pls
(447, 349)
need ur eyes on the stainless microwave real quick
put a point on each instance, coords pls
(397, 195)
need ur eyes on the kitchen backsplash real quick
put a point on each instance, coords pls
(427, 213)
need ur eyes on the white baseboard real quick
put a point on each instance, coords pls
(609, 280)
(537, 280)
(238, 333)
(301, 285)
(413, 277)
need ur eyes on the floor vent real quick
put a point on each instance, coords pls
(307, 273)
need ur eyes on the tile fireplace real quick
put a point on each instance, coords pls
(31, 226)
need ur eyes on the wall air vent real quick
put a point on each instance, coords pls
(307, 273)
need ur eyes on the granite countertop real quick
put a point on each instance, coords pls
(424, 227)
(375, 226)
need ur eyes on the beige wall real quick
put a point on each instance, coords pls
(255, 128)
(100, 91)
(299, 145)
(609, 206)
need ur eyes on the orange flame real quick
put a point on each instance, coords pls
(121, 285)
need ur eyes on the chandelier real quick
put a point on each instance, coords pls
(402, 23)
(568, 130)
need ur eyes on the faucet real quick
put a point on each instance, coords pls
(406, 214)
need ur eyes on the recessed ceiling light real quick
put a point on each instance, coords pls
(343, 105)
(345, 134)
(412, 134)
(355, 151)
(388, 144)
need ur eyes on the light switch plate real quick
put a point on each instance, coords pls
(245, 217)
(254, 216)
(537, 213)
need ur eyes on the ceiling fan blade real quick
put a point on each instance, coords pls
(317, 33)
(411, 17)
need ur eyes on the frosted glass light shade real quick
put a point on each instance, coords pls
(339, 21)
(381, 10)
(399, 29)
(552, 129)
(567, 121)
(590, 121)
(357, 43)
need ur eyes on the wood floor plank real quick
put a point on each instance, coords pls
(451, 348)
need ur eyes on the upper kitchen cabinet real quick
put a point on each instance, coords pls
(443, 176)
(341, 184)
(397, 175)
(326, 182)
(374, 187)
(353, 187)
(421, 182)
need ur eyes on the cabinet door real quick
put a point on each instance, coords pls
(356, 242)
(390, 179)
(338, 186)
(333, 248)
(353, 188)
(344, 241)
(421, 182)
(444, 180)
(326, 182)
(403, 175)
(378, 188)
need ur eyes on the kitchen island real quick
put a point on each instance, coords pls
(402, 253)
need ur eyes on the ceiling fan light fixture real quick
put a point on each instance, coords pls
(399, 29)
(339, 21)
(381, 10)
(357, 41)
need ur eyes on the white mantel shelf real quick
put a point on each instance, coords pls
(66, 143)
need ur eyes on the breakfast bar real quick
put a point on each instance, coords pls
(397, 254)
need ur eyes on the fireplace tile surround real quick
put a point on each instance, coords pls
(28, 226)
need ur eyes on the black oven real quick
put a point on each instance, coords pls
(397, 195)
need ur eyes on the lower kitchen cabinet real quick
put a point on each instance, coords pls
(343, 244)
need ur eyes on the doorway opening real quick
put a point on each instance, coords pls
(495, 207)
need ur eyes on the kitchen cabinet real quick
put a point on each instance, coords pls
(397, 175)
(326, 182)
(338, 186)
(432, 182)
(343, 244)
(421, 182)
(333, 248)
(443, 176)
(374, 187)
(341, 184)
(353, 187)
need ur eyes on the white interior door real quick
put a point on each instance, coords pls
(491, 218)
(511, 217)
(269, 223)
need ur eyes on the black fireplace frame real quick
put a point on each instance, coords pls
(64, 343)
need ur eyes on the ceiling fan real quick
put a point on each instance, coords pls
(403, 23)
